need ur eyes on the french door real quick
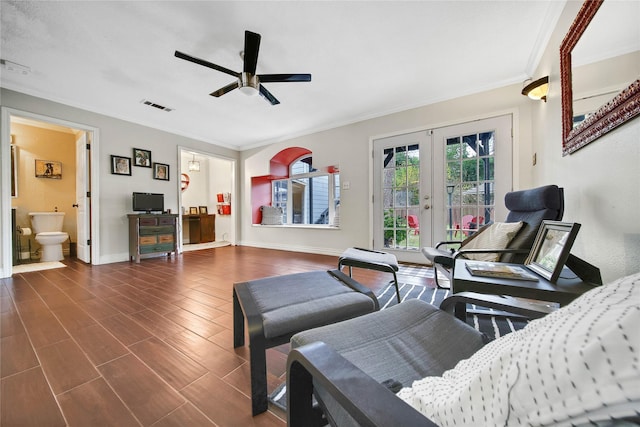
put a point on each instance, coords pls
(439, 184)
(402, 189)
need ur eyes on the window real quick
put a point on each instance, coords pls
(308, 196)
(470, 182)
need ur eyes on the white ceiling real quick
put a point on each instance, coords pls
(367, 58)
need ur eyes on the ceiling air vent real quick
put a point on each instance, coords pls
(158, 106)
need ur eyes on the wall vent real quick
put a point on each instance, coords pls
(156, 105)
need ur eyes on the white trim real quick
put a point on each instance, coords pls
(234, 190)
(5, 190)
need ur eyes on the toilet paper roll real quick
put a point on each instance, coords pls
(25, 231)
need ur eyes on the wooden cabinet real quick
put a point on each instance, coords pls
(150, 234)
(202, 228)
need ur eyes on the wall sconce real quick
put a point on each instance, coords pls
(194, 166)
(537, 90)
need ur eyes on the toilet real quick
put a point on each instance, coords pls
(47, 226)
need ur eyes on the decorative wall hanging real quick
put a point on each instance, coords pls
(184, 181)
(161, 171)
(142, 158)
(48, 169)
(120, 165)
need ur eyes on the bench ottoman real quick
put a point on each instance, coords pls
(276, 308)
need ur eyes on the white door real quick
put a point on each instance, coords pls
(477, 172)
(452, 179)
(402, 188)
(83, 211)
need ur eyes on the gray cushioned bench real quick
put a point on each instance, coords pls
(278, 307)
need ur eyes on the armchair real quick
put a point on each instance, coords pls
(575, 366)
(530, 207)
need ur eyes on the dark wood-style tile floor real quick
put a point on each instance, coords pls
(146, 344)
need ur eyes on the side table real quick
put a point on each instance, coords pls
(562, 292)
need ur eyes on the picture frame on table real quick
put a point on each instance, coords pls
(203, 210)
(551, 248)
(161, 171)
(141, 158)
(120, 165)
(193, 210)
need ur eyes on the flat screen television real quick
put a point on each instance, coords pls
(148, 202)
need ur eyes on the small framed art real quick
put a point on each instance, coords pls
(551, 248)
(203, 210)
(120, 165)
(193, 210)
(141, 158)
(48, 169)
(161, 171)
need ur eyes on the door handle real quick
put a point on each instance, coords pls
(75, 205)
(427, 206)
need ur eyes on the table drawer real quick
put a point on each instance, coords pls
(160, 247)
(165, 238)
(166, 220)
(148, 221)
(146, 231)
(148, 240)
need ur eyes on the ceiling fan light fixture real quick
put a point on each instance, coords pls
(248, 84)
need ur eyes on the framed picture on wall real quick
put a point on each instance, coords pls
(120, 165)
(48, 169)
(141, 158)
(161, 171)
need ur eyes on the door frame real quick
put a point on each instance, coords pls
(515, 150)
(234, 210)
(6, 265)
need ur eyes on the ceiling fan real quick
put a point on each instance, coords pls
(248, 81)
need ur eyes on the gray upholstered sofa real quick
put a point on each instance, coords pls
(579, 365)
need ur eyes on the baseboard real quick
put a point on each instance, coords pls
(294, 248)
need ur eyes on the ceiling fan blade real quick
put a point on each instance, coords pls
(251, 48)
(205, 63)
(274, 78)
(222, 91)
(268, 96)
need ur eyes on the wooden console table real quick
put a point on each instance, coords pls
(202, 228)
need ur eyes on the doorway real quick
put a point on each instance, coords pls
(427, 183)
(206, 200)
(80, 209)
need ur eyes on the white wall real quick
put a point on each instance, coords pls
(601, 180)
(119, 137)
(349, 147)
